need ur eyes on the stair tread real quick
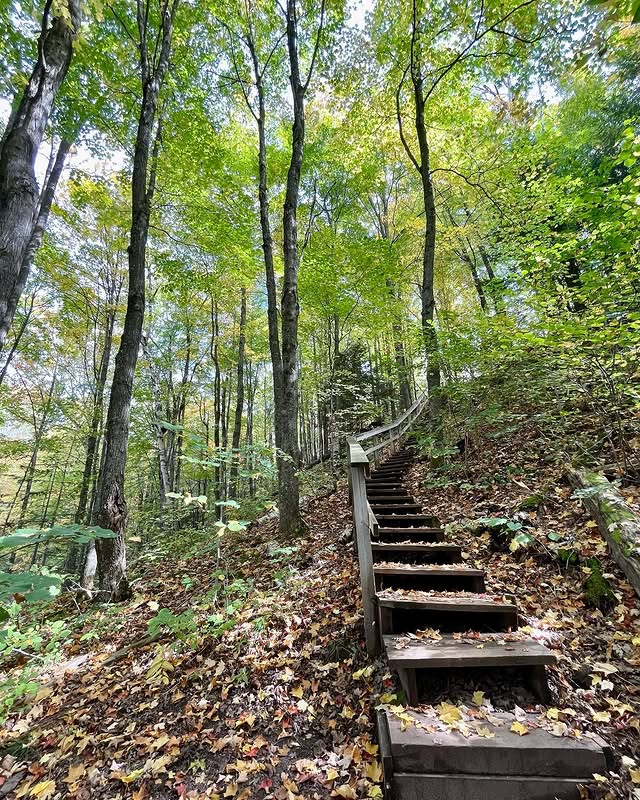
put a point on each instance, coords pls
(435, 601)
(418, 547)
(430, 746)
(427, 569)
(497, 650)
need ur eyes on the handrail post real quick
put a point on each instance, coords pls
(358, 470)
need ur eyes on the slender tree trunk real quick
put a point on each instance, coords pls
(20, 145)
(289, 492)
(93, 440)
(237, 422)
(111, 509)
(37, 234)
(267, 244)
(17, 338)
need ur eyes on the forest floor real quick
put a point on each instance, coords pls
(259, 686)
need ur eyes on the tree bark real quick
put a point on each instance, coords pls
(35, 240)
(289, 492)
(93, 439)
(111, 509)
(20, 145)
(617, 523)
(237, 422)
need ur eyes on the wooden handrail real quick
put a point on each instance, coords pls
(418, 403)
(364, 521)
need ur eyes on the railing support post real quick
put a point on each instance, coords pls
(358, 470)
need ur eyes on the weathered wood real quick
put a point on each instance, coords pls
(417, 553)
(427, 577)
(386, 755)
(421, 535)
(617, 523)
(390, 499)
(450, 653)
(408, 520)
(391, 508)
(415, 749)
(479, 787)
(362, 528)
(443, 603)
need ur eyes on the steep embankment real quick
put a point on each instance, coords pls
(269, 696)
(596, 685)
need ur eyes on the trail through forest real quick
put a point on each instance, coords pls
(259, 685)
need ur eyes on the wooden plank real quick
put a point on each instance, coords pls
(429, 746)
(386, 756)
(448, 653)
(392, 496)
(484, 787)
(361, 524)
(408, 520)
(426, 569)
(441, 603)
(421, 535)
(390, 508)
(415, 547)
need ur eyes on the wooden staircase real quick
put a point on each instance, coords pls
(430, 612)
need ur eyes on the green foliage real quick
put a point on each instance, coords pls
(183, 626)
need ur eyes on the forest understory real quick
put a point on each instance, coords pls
(258, 685)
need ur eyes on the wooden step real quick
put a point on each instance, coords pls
(396, 474)
(407, 521)
(411, 658)
(382, 483)
(419, 552)
(429, 746)
(429, 577)
(418, 610)
(395, 508)
(393, 499)
(417, 535)
(386, 490)
(484, 787)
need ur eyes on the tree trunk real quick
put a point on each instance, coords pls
(20, 145)
(17, 337)
(289, 492)
(237, 422)
(618, 524)
(37, 233)
(111, 509)
(93, 440)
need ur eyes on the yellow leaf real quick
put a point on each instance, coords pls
(485, 733)
(449, 713)
(374, 791)
(43, 790)
(592, 524)
(520, 729)
(332, 774)
(635, 775)
(552, 713)
(346, 791)
(600, 778)
(373, 771)
(298, 692)
(75, 771)
(601, 716)
(388, 698)
(478, 698)
(231, 790)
